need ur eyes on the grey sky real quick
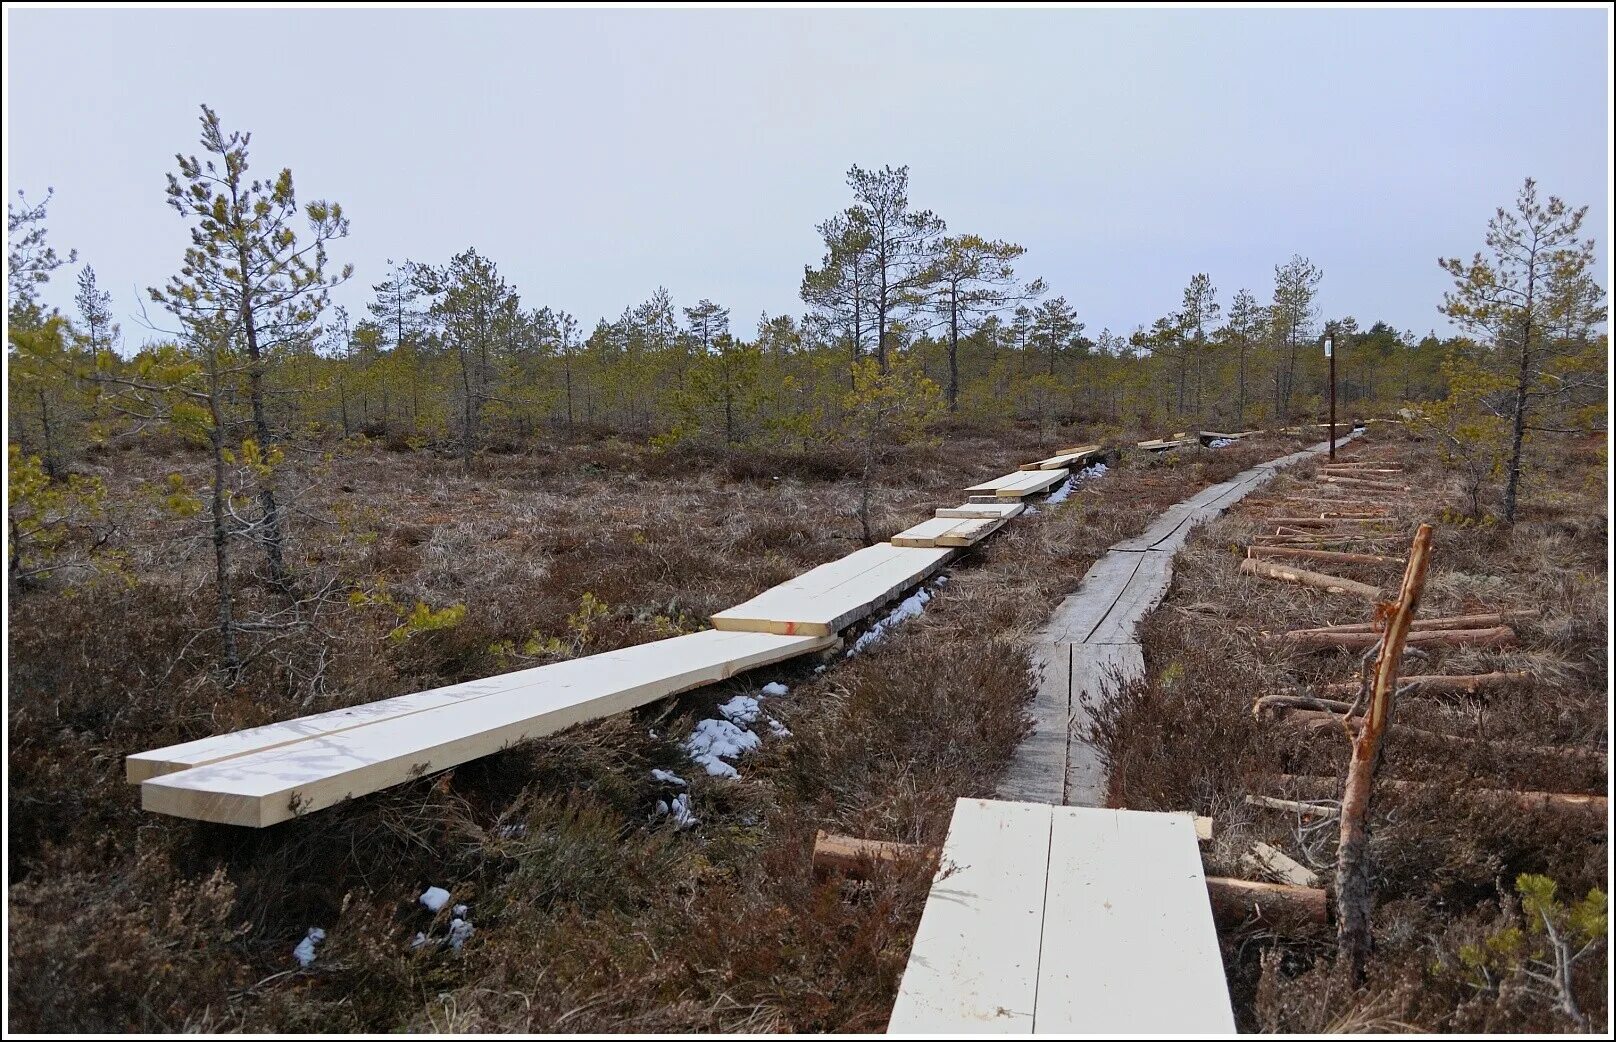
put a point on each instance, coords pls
(597, 154)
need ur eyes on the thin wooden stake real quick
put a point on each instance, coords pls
(1354, 893)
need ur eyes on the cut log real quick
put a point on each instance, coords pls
(1496, 637)
(1309, 554)
(1279, 705)
(1323, 522)
(1325, 718)
(1275, 862)
(1443, 622)
(845, 855)
(1378, 486)
(1520, 799)
(1317, 580)
(1306, 810)
(1277, 906)
(1441, 683)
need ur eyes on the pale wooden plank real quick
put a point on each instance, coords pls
(974, 964)
(926, 533)
(1063, 459)
(994, 484)
(970, 531)
(140, 766)
(273, 785)
(1032, 482)
(837, 594)
(1128, 944)
(1037, 771)
(998, 508)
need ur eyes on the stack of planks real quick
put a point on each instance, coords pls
(270, 774)
(264, 775)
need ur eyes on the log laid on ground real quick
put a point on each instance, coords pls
(1306, 810)
(1496, 637)
(1277, 705)
(1521, 799)
(1309, 554)
(1283, 867)
(853, 857)
(1441, 683)
(1378, 486)
(1317, 580)
(1323, 522)
(1280, 906)
(1326, 718)
(1441, 622)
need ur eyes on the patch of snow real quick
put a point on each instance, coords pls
(775, 689)
(514, 830)
(780, 730)
(720, 738)
(435, 898)
(1218, 443)
(1060, 494)
(668, 777)
(742, 709)
(459, 931)
(460, 911)
(304, 952)
(714, 766)
(419, 941)
(679, 809)
(908, 608)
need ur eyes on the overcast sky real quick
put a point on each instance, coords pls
(598, 154)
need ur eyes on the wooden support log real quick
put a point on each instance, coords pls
(1496, 637)
(1327, 718)
(1271, 860)
(853, 857)
(1278, 705)
(1323, 522)
(1378, 486)
(1279, 906)
(1306, 810)
(1519, 799)
(1442, 683)
(1441, 622)
(1309, 554)
(1318, 580)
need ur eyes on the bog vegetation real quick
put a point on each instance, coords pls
(266, 504)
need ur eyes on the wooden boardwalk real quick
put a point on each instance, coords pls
(1089, 648)
(1065, 920)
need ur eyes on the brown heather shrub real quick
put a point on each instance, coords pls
(1444, 867)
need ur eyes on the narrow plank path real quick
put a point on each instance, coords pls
(1089, 648)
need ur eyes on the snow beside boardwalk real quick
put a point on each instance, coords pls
(910, 607)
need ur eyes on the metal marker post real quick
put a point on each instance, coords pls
(1329, 352)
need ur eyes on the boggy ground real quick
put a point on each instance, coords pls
(591, 913)
(1456, 950)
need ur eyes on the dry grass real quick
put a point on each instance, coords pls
(1445, 866)
(590, 914)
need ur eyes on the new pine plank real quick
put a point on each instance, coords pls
(996, 509)
(1031, 482)
(1062, 459)
(837, 594)
(274, 785)
(1128, 944)
(974, 964)
(140, 766)
(970, 531)
(994, 484)
(926, 533)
